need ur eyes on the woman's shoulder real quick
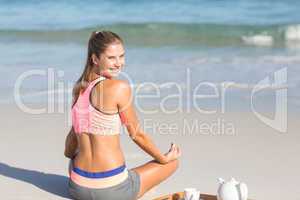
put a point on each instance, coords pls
(114, 88)
(118, 85)
(120, 90)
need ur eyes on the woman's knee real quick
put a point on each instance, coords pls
(175, 164)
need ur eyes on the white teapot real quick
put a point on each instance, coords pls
(232, 190)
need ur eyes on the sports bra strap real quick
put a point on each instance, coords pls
(94, 82)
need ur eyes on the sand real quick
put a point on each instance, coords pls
(32, 164)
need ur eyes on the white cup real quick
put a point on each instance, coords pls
(191, 194)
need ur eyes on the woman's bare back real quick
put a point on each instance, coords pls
(100, 152)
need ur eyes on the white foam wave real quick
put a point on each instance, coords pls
(258, 40)
(293, 33)
(282, 60)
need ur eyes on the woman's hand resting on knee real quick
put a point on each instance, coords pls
(173, 153)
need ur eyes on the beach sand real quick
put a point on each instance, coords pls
(32, 164)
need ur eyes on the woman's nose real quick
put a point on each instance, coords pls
(118, 63)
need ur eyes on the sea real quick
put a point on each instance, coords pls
(214, 55)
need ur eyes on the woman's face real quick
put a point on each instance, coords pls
(111, 61)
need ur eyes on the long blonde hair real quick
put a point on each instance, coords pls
(98, 42)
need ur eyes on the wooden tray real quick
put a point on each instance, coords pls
(179, 196)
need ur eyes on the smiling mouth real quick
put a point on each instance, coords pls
(114, 70)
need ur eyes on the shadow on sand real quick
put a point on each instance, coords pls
(52, 183)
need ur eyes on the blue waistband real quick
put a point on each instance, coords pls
(104, 174)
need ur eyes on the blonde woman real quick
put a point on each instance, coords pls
(101, 105)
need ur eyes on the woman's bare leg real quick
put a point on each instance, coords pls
(153, 173)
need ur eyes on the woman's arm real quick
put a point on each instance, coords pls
(129, 118)
(145, 142)
(71, 144)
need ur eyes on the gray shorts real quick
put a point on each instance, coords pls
(126, 190)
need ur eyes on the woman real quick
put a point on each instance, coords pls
(101, 104)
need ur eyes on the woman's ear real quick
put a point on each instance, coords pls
(95, 60)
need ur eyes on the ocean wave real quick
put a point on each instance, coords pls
(168, 34)
(293, 32)
(259, 40)
(292, 37)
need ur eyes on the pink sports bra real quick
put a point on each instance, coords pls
(88, 119)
